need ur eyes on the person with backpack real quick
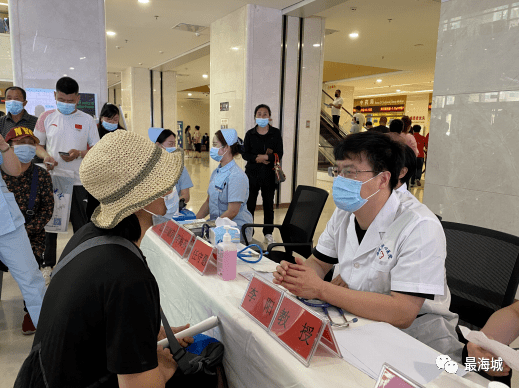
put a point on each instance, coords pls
(100, 319)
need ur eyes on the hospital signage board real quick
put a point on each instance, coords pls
(158, 229)
(169, 232)
(200, 255)
(261, 300)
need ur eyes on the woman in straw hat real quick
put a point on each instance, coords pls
(228, 188)
(100, 320)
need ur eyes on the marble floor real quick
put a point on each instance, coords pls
(14, 346)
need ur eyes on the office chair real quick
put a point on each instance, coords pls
(298, 225)
(481, 270)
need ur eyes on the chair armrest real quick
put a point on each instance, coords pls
(247, 225)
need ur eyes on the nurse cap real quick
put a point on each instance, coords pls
(125, 172)
(230, 135)
(154, 132)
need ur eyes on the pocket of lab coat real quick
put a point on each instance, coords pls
(379, 277)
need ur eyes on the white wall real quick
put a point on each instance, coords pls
(194, 112)
(472, 170)
(6, 63)
(417, 106)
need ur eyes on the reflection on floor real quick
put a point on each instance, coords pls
(14, 346)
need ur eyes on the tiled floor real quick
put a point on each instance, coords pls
(14, 346)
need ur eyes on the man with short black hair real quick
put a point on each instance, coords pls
(390, 250)
(358, 120)
(335, 107)
(382, 128)
(369, 125)
(65, 135)
(17, 116)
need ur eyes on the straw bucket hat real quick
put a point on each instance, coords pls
(125, 172)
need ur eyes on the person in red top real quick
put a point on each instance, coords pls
(421, 144)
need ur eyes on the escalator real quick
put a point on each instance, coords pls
(330, 135)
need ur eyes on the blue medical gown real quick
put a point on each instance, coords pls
(184, 181)
(229, 184)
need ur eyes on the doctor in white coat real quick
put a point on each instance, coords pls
(390, 249)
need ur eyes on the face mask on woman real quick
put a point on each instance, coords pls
(213, 153)
(25, 153)
(262, 122)
(109, 126)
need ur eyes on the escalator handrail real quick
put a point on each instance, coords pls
(325, 116)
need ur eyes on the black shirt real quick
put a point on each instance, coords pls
(100, 314)
(255, 144)
(381, 128)
(7, 123)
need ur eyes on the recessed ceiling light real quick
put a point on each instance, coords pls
(316, 45)
(144, 1)
(205, 76)
(71, 68)
(111, 33)
(189, 94)
(379, 80)
(64, 75)
(140, 63)
(353, 35)
(4, 4)
(398, 90)
(83, 57)
(234, 48)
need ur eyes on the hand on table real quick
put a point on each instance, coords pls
(298, 279)
(479, 353)
(339, 282)
(184, 342)
(167, 364)
(73, 154)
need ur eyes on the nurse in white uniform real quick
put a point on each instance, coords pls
(228, 188)
(15, 248)
(390, 249)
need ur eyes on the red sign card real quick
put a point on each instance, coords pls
(158, 229)
(200, 255)
(260, 301)
(297, 328)
(329, 341)
(169, 231)
(181, 241)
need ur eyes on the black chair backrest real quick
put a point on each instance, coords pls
(481, 270)
(302, 217)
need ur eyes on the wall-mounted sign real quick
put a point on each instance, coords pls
(224, 106)
(381, 101)
(224, 123)
(390, 108)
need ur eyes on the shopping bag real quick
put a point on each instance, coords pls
(279, 174)
(63, 184)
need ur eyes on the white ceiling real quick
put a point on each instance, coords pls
(136, 23)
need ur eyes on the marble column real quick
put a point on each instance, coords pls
(472, 166)
(42, 54)
(136, 98)
(169, 98)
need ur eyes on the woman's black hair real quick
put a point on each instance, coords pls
(165, 135)
(235, 149)
(197, 128)
(187, 129)
(128, 228)
(263, 106)
(109, 111)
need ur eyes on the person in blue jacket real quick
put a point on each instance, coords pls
(166, 139)
(15, 248)
(228, 188)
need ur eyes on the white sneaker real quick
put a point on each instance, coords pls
(46, 273)
(268, 239)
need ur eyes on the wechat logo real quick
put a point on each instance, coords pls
(445, 362)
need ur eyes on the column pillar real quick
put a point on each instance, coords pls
(136, 99)
(472, 166)
(169, 95)
(41, 53)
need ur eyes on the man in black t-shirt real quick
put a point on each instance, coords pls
(100, 319)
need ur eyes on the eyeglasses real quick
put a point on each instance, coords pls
(348, 172)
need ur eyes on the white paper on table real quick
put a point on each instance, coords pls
(509, 355)
(377, 343)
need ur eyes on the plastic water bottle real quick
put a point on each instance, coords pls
(227, 258)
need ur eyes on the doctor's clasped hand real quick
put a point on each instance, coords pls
(299, 279)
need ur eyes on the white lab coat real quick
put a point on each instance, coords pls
(403, 250)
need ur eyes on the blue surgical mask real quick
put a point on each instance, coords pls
(262, 122)
(213, 153)
(170, 149)
(14, 107)
(65, 108)
(25, 153)
(109, 126)
(347, 193)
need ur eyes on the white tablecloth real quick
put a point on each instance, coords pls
(252, 357)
